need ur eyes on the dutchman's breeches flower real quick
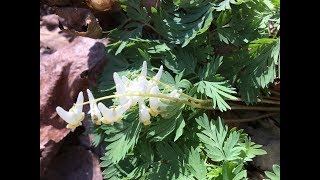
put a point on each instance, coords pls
(113, 114)
(144, 115)
(75, 115)
(94, 110)
(154, 103)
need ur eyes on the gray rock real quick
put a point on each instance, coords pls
(268, 135)
(75, 163)
(63, 74)
(266, 161)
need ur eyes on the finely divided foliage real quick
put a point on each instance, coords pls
(186, 37)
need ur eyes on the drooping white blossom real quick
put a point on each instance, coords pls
(154, 102)
(75, 115)
(113, 114)
(94, 110)
(144, 115)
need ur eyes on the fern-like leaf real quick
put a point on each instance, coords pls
(180, 27)
(217, 91)
(125, 136)
(219, 147)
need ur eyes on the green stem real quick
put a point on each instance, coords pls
(259, 100)
(181, 93)
(236, 107)
(205, 101)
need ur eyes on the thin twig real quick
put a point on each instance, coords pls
(251, 119)
(258, 108)
(259, 100)
(273, 98)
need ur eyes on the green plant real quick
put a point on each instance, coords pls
(216, 55)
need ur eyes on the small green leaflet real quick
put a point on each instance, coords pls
(209, 71)
(230, 172)
(134, 11)
(165, 126)
(275, 175)
(224, 5)
(195, 165)
(189, 3)
(216, 91)
(251, 149)
(172, 163)
(180, 60)
(180, 125)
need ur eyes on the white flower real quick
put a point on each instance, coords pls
(144, 115)
(142, 85)
(94, 111)
(175, 93)
(154, 103)
(113, 114)
(144, 68)
(124, 85)
(156, 77)
(121, 88)
(75, 115)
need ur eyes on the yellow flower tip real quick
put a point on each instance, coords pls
(153, 112)
(147, 122)
(73, 126)
(98, 122)
(106, 121)
(94, 118)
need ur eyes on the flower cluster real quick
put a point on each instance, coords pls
(125, 93)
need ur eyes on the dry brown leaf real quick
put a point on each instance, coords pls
(100, 5)
(79, 22)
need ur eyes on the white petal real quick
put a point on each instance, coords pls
(117, 79)
(143, 112)
(120, 89)
(93, 105)
(122, 109)
(142, 84)
(69, 117)
(144, 69)
(97, 112)
(155, 90)
(125, 80)
(91, 99)
(158, 75)
(175, 93)
(154, 102)
(78, 109)
(106, 112)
